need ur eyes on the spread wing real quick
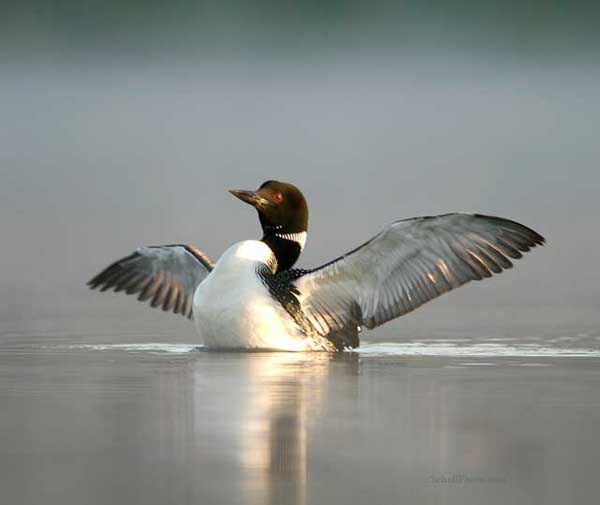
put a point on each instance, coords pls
(406, 265)
(167, 275)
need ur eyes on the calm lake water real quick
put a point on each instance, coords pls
(104, 418)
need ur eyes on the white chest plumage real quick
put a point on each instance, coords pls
(233, 308)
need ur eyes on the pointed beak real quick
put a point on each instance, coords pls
(251, 197)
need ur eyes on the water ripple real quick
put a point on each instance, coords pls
(453, 348)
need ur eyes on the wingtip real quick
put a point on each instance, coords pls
(536, 239)
(93, 283)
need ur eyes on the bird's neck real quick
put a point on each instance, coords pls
(285, 246)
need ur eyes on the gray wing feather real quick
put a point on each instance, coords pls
(406, 265)
(166, 275)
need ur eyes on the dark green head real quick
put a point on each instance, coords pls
(281, 207)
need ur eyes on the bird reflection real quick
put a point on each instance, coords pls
(286, 391)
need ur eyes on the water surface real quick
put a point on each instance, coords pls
(136, 418)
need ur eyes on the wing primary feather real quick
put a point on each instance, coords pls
(177, 301)
(188, 307)
(167, 299)
(511, 250)
(124, 280)
(149, 289)
(497, 253)
(489, 259)
(157, 299)
(479, 263)
(106, 281)
(110, 271)
(137, 284)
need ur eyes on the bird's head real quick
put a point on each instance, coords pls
(281, 207)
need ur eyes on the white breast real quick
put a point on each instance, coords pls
(233, 308)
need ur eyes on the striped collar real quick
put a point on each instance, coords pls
(299, 238)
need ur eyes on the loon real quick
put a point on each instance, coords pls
(253, 298)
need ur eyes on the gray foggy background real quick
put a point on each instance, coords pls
(124, 123)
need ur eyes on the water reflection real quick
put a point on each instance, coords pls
(225, 426)
(286, 394)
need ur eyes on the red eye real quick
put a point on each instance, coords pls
(278, 197)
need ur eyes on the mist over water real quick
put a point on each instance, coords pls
(99, 157)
